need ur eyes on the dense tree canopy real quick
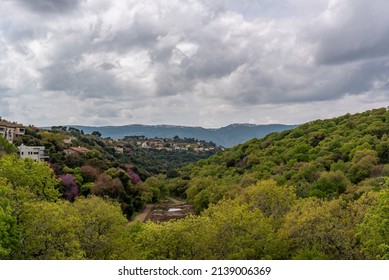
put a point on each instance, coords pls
(320, 191)
(322, 158)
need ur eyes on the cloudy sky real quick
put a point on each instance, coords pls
(191, 62)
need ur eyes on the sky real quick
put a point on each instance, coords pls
(204, 63)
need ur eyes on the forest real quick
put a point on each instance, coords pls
(318, 191)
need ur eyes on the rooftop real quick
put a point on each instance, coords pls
(9, 124)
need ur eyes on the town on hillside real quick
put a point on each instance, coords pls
(12, 131)
(171, 144)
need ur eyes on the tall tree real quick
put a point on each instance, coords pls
(374, 230)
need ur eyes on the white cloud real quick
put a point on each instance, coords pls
(193, 62)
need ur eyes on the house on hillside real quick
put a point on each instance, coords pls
(37, 153)
(119, 150)
(76, 150)
(10, 131)
(144, 145)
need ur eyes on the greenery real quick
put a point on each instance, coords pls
(319, 191)
(346, 156)
(101, 170)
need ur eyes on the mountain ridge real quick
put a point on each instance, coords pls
(227, 136)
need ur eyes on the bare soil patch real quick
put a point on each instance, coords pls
(166, 210)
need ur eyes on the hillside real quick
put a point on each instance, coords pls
(318, 191)
(323, 158)
(88, 164)
(226, 136)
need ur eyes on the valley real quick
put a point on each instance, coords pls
(318, 191)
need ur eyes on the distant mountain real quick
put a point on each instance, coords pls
(228, 136)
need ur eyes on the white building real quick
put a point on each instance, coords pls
(119, 150)
(10, 131)
(37, 153)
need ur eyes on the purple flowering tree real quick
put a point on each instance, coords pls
(135, 179)
(68, 187)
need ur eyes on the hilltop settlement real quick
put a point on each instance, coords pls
(14, 131)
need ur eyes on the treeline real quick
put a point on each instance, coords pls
(267, 221)
(334, 176)
(346, 156)
(100, 170)
(319, 191)
(95, 171)
(35, 223)
(263, 221)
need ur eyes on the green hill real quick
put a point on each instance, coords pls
(323, 158)
(319, 191)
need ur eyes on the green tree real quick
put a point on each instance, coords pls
(36, 178)
(155, 188)
(227, 230)
(9, 231)
(49, 231)
(240, 232)
(272, 200)
(319, 229)
(374, 230)
(329, 185)
(200, 192)
(102, 229)
(6, 147)
(188, 238)
(89, 228)
(363, 164)
(96, 133)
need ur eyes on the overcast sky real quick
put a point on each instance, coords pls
(191, 62)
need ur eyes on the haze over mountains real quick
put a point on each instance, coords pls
(227, 136)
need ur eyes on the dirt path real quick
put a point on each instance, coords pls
(143, 215)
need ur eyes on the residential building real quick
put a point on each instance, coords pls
(76, 150)
(10, 131)
(119, 150)
(37, 153)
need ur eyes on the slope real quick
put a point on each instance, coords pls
(348, 156)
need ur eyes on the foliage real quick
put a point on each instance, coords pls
(91, 169)
(9, 232)
(102, 233)
(319, 191)
(37, 178)
(228, 230)
(49, 231)
(68, 187)
(90, 228)
(6, 147)
(374, 230)
(272, 200)
(322, 158)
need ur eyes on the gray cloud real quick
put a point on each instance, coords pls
(164, 60)
(50, 6)
(82, 84)
(107, 66)
(4, 90)
(351, 30)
